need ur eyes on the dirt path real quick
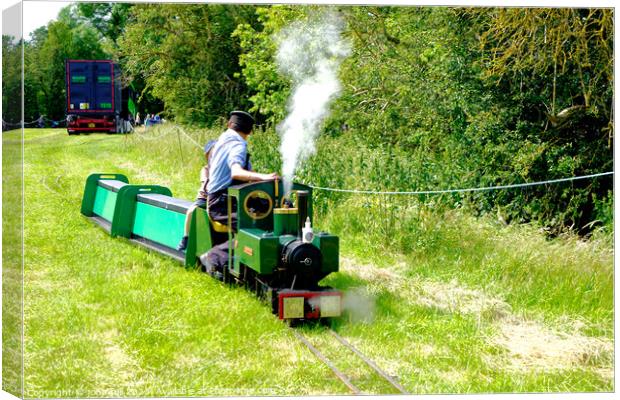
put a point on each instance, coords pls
(530, 345)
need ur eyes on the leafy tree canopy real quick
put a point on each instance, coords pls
(450, 97)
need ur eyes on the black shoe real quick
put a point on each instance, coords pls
(217, 275)
(182, 244)
(209, 268)
(204, 261)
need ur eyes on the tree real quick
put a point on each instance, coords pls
(187, 57)
(11, 82)
(472, 96)
(45, 62)
(553, 68)
(109, 19)
(573, 47)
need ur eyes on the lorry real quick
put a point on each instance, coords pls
(96, 98)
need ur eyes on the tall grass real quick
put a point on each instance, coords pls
(12, 276)
(519, 260)
(550, 278)
(445, 287)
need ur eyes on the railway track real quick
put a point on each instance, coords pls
(340, 374)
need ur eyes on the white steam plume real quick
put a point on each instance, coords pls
(310, 53)
(359, 305)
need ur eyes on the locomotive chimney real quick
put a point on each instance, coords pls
(302, 207)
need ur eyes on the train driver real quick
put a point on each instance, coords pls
(229, 165)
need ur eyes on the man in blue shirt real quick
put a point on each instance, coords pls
(229, 164)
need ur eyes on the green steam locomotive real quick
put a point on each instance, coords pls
(273, 249)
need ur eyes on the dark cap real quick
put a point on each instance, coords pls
(209, 145)
(241, 121)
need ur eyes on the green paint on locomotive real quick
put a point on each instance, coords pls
(285, 222)
(199, 240)
(257, 249)
(150, 212)
(330, 247)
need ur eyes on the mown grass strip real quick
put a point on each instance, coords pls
(438, 292)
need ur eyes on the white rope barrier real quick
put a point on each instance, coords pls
(479, 189)
(188, 136)
(420, 192)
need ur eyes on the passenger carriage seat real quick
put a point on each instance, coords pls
(218, 226)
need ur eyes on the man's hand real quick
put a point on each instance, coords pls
(249, 176)
(268, 177)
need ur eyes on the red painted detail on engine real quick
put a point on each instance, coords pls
(310, 311)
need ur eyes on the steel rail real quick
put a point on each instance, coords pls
(369, 362)
(345, 379)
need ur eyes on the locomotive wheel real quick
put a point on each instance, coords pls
(293, 323)
(328, 322)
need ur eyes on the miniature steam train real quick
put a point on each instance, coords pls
(272, 250)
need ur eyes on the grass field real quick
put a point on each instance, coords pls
(12, 263)
(468, 306)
